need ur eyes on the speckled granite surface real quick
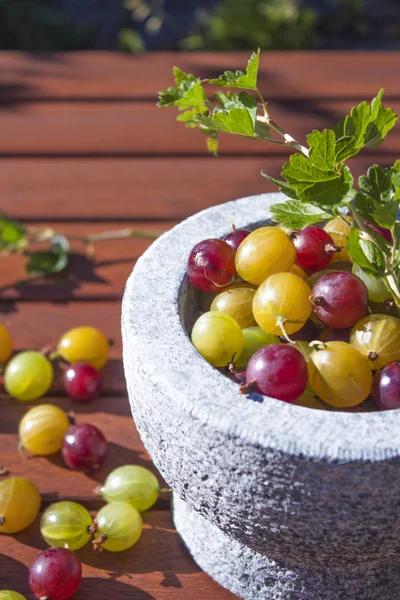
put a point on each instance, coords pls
(317, 490)
(253, 576)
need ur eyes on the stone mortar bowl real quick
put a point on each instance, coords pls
(274, 501)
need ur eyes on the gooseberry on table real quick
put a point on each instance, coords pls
(6, 346)
(132, 484)
(56, 574)
(82, 382)
(19, 504)
(10, 595)
(42, 429)
(28, 376)
(84, 345)
(66, 523)
(119, 527)
(84, 447)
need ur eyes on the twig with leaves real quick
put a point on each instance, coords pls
(316, 179)
(15, 238)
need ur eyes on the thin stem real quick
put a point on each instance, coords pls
(394, 249)
(115, 235)
(289, 140)
(281, 324)
(263, 103)
(360, 222)
(393, 287)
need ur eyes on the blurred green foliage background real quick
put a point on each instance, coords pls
(137, 25)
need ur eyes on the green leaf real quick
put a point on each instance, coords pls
(345, 148)
(365, 253)
(183, 79)
(188, 115)
(237, 120)
(374, 255)
(377, 184)
(322, 149)
(297, 215)
(242, 100)
(396, 184)
(239, 79)
(396, 166)
(44, 263)
(283, 186)
(366, 126)
(317, 185)
(12, 233)
(189, 92)
(386, 214)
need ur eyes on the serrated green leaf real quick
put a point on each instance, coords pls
(182, 78)
(396, 165)
(239, 79)
(297, 215)
(365, 254)
(386, 214)
(364, 205)
(315, 185)
(283, 186)
(374, 255)
(194, 96)
(367, 125)
(242, 100)
(322, 149)
(377, 184)
(396, 184)
(237, 120)
(12, 233)
(345, 148)
(188, 115)
(189, 92)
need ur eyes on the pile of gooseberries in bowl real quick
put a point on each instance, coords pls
(288, 316)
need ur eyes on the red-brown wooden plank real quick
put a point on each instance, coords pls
(106, 75)
(55, 481)
(141, 128)
(102, 277)
(158, 567)
(134, 189)
(38, 324)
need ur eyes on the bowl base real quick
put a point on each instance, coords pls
(253, 576)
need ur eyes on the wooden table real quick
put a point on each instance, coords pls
(84, 149)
